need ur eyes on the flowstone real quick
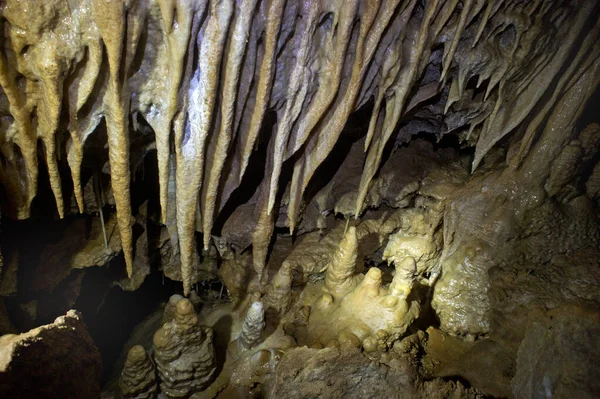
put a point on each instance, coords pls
(356, 310)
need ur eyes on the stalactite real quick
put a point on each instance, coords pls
(295, 96)
(111, 20)
(24, 138)
(533, 127)
(518, 103)
(177, 20)
(233, 62)
(394, 106)
(323, 142)
(81, 126)
(48, 123)
(265, 82)
(203, 75)
(202, 95)
(449, 54)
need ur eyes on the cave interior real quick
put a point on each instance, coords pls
(299, 199)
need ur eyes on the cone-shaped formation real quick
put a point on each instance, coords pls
(279, 294)
(171, 308)
(184, 354)
(341, 269)
(138, 378)
(371, 284)
(204, 74)
(404, 279)
(253, 326)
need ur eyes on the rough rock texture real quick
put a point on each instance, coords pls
(138, 378)
(184, 353)
(559, 355)
(253, 326)
(53, 361)
(279, 293)
(355, 314)
(331, 373)
(71, 72)
(334, 373)
(246, 115)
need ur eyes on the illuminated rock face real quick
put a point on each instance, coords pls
(202, 75)
(347, 236)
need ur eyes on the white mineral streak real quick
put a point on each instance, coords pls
(253, 326)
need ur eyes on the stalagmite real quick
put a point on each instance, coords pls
(171, 308)
(138, 378)
(184, 353)
(341, 270)
(453, 129)
(253, 326)
(279, 293)
(404, 279)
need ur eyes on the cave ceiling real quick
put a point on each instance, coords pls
(211, 82)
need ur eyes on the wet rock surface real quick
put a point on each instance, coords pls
(312, 373)
(559, 355)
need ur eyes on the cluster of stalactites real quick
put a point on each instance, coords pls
(204, 73)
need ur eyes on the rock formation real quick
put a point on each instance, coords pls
(138, 378)
(99, 62)
(51, 361)
(341, 270)
(367, 168)
(279, 294)
(184, 354)
(171, 308)
(253, 326)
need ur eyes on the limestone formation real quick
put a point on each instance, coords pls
(352, 170)
(253, 326)
(341, 270)
(404, 279)
(171, 308)
(279, 293)
(51, 361)
(184, 354)
(366, 309)
(313, 64)
(415, 248)
(567, 336)
(138, 378)
(335, 373)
